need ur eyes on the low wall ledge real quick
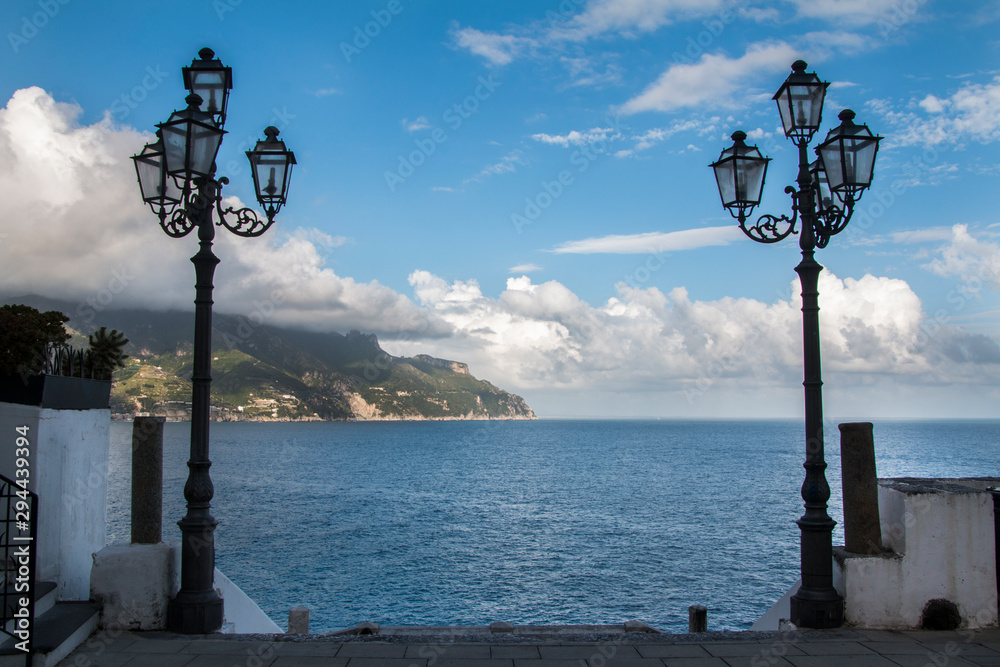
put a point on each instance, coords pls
(923, 485)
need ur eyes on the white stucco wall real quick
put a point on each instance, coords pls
(135, 582)
(941, 533)
(69, 472)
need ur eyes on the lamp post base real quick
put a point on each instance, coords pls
(194, 617)
(819, 614)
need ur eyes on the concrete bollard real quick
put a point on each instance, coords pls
(298, 621)
(697, 618)
(147, 480)
(862, 530)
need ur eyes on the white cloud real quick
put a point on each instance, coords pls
(575, 138)
(83, 233)
(524, 268)
(496, 48)
(852, 12)
(713, 81)
(543, 337)
(70, 244)
(326, 92)
(972, 113)
(421, 123)
(628, 17)
(654, 242)
(506, 165)
(975, 261)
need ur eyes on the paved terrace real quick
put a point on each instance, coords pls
(579, 646)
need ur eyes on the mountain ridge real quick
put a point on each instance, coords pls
(263, 372)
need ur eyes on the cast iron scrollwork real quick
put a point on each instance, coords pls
(175, 221)
(832, 219)
(245, 221)
(770, 228)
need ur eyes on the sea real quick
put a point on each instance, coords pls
(529, 522)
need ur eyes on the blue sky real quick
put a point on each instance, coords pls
(524, 186)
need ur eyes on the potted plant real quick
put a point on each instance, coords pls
(37, 367)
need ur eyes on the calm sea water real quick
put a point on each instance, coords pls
(432, 523)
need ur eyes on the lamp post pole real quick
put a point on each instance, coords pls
(197, 608)
(816, 604)
(177, 179)
(825, 198)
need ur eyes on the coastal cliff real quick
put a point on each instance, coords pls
(267, 373)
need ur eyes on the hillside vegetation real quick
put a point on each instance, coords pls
(269, 373)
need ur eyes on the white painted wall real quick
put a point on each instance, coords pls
(134, 583)
(69, 472)
(941, 533)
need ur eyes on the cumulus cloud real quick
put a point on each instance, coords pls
(540, 336)
(975, 261)
(972, 113)
(714, 80)
(83, 232)
(68, 243)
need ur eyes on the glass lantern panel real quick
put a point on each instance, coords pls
(801, 106)
(726, 179)
(211, 86)
(149, 169)
(175, 147)
(205, 141)
(270, 175)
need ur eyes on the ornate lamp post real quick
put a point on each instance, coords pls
(177, 179)
(828, 190)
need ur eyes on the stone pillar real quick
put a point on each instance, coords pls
(147, 480)
(697, 618)
(298, 621)
(862, 531)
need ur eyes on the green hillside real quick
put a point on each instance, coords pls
(269, 373)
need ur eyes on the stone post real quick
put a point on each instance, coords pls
(298, 621)
(147, 480)
(697, 618)
(862, 531)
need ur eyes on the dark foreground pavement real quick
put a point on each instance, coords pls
(555, 647)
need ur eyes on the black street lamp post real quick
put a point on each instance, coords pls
(828, 190)
(177, 179)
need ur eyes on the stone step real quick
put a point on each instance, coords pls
(57, 633)
(45, 597)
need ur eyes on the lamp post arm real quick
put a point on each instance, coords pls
(241, 221)
(768, 228)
